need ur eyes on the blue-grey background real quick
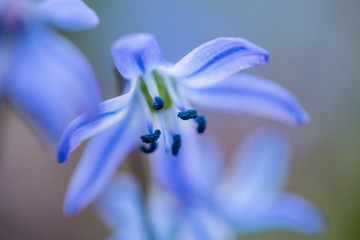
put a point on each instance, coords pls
(314, 51)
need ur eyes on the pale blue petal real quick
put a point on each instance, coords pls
(109, 112)
(100, 161)
(122, 208)
(137, 54)
(251, 95)
(52, 82)
(164, 214)
(202, 224)
(69, 15)
(259, 166)
(215, 60)
(197, 167)
(284, 212)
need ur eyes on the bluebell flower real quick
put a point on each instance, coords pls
(43, 75)
(159, 96)
(209, 200)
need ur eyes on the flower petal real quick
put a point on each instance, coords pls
(69, 15)
(137, 54)
(52, 82)
(285, 212)
(121, 207)
(215, 60)
(85, 126)
(203, 224)
(252, 95)
(195, 170)
(164, 214)
(259, 166)
(100, 161)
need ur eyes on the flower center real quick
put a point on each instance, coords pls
(162, 102)
(13, 15)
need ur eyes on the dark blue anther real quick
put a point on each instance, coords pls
(158, 104)
(176, 145)
(201, 124)
(150, 149)
(189, 114)
(149, 138)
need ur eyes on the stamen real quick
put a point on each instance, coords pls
(201, 124)
(158, 104)
(176, 145)
(151, 148)
(189, 114)
(150, 138)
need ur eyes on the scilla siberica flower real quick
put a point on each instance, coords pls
(43, 75)
(158, 96)
(216, 202)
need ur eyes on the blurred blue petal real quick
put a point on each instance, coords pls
(164, 214)
(109, 112)
(122, 209)
(254, 189)
(252, 95)
(213, 61)
(203, 224)
(283, 212)
(259, 166)
(69, 15)
(100, 160)
(52, 82)
(137, 54)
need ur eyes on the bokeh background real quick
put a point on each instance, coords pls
(314, 50)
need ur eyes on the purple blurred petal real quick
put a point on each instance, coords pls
(52, 82)
(122, 208)
(284, 212)
(259, 166)
(252, 95)
(69, 15)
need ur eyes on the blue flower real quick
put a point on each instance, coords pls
(209, 201)
(159, 96)
(43, 75)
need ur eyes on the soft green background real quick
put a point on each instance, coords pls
(314, 51)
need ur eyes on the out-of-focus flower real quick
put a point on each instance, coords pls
(247, 195)
(43, 75)
(159, 93)
(208, 203)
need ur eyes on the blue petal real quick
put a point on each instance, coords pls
(252, 95)
(69, 15)
(215, 60)
(259, 166)
(164, 214)
(202, 224)
(52, 82)
(100, 160)
(121, 207)
(137, 54)
(195, 170)
(284, 212)
(109, 112)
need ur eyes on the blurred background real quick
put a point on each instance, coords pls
(314, 50)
